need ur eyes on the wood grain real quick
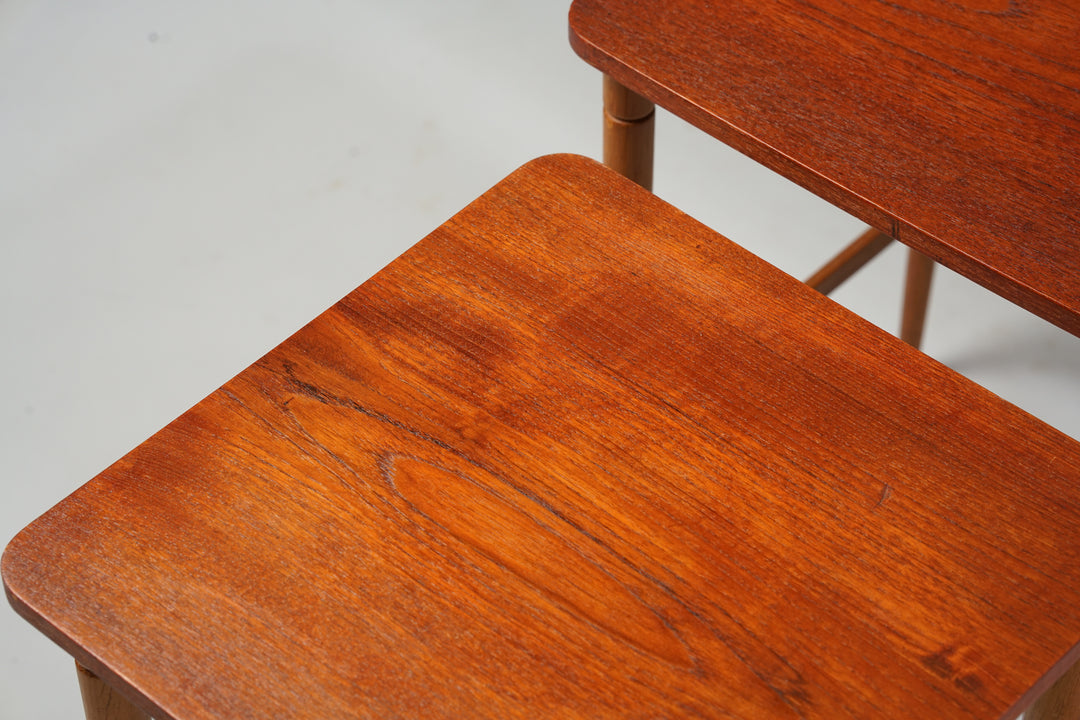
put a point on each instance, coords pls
(952, 126)
(574, 455)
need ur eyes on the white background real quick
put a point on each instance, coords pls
(182, 185)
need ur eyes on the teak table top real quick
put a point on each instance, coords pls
(575, 455)
(953, 126)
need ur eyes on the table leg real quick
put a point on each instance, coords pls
(629, 122)
(1061, 701)
(849, 261)
(916, 296)
(101, 702)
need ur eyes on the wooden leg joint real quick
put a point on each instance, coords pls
(102, 702)
(629, 131)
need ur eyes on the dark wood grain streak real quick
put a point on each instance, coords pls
(575, 455)
(953, 126)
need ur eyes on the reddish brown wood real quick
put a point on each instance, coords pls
(920, 272)
(574, 455)
(1060, 702)
(952, 126)
(101, 702)
(849, 261)
(629, 133)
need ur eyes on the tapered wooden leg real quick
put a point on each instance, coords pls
(864, 249)
(916, 296)
(101, 702)
(1061, 701)
(629, 128)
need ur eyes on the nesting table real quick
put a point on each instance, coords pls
(953, 127)
(573, 455)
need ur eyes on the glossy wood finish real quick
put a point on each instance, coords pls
(575, 455)
(952, 126)
(849, 261)
(629, 133)
(101, 702)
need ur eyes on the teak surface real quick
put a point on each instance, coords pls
(953, 126)
(574, 455)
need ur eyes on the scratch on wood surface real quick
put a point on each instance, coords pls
(886, 493)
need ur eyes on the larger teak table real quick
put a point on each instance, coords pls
(952, 126)
(574, 455)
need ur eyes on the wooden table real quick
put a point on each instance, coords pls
(575, 455)
(952, 126)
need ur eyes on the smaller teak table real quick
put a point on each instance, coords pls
(573, 455)
(952, 126)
